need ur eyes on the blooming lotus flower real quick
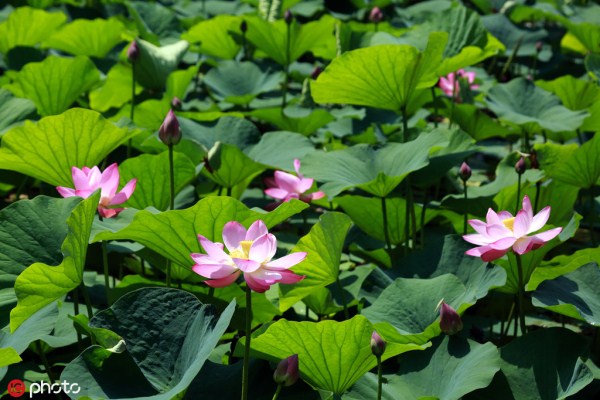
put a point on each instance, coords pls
(284, 186)
(450, 85)
(501, 231)
(249, 252)
(88, 180)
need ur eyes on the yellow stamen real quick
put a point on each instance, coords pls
(509, 223)
(243, 251)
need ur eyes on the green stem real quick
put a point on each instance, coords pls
(276, 395)
(454, 84)
(287, 68)
(105, 268)
(379, 378)
(211, 292)
(343, 295)
(404, 123)
(466, 208)
(520, 295)
(245, 371)
(435, 107)
(229, 190)
(504, 332)
(423, 217)
(386, 233)
(76, 309)
(38, 345)
(171, 178)
(86, 298)
(132, 111)
(413, 214)
(518, 193)
(538, 186)
(592, 217)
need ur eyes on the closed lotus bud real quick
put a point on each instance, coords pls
(450, 321)
(521, 165)
(377, 344)
(176, 103)
(465, 172)
(288, 17)
(133, 52)
(376, 15)
(170, 132)
(316, 72)
(287, 373)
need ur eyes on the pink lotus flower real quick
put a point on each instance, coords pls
(502, 231)
(450, 83)
(88, 180)
(250, 252)
(284, 186)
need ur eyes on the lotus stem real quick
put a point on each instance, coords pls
(105, 268)
(86, 298)
(245, 371)
(520, 295)
(276, 395)
(413, 213)
(592, 216)
(386, 233)
(538, 186)
(38, 345)
(454, 83)
(171, 205)
(132, 111)
(229, 191)
(379, 378)
(466, 212)
(504, 332)
(518, 193)
(343, 295)
(287, 68)
(75, 294)
(435, 107)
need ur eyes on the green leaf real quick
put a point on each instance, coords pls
(562, 265)
(449, 369)
(305, 121)
(510, 35)
(154, 21)
(592, 65)
(55, 83)
(13, 110)
(522, 103)
(228, 166)
(406, 311)
(332, 355)
(41, 284)
(271, 37)
(156, 63)
(546, 364)
(173, 234)
(367, 214)
(582, 168)
(278, 149)
(474, 121)
(323, 245)
(48, 149)
(179, 335)
(84, 37)
(385, 76)
(214, 37)
(116, 90)
(27, 26)
(575, 94)
(152, 173)
(375, 171)
(240, 82)
(574, 294)
(9, 356)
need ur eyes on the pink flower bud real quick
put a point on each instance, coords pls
(287, 373)
(465, 172)
(376, 15)
(176, 103)
(521, 165)
(377, 344)
(288, 17)
(170, 132)
(450, 321)
(133, 52)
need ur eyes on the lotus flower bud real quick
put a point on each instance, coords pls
(244, 26)
(377, 344)
(170, 132)
(316, 72)
(133, 52)
(521, 166)
(286, 373)
(376, 15)
(465, 172)
(450, 321)
(176, 103)
(288, 17)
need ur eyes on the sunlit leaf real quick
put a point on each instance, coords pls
(55, 83)
(84, 37)
(213, 36)
(48, 149)
(156, 63)
(27, 27)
